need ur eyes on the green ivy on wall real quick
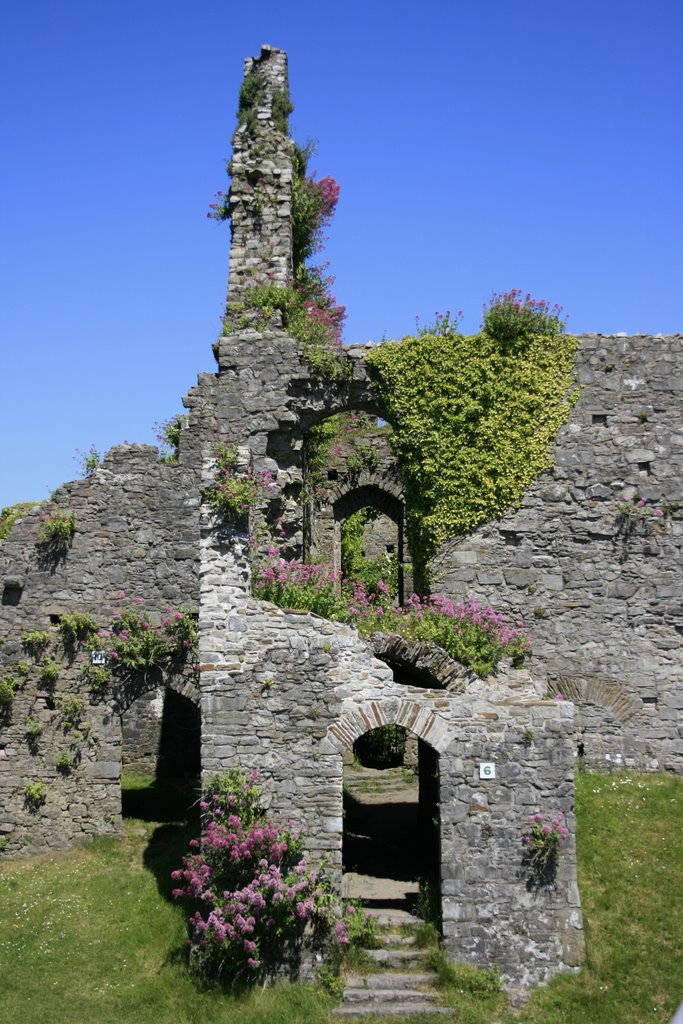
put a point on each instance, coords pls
(473, 418)
(357, 566)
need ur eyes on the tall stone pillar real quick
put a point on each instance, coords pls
(260, 199)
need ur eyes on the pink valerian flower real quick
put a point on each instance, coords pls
(637, 508)
(544, 840)
(250, 879)
(328, 190)
(469, 631)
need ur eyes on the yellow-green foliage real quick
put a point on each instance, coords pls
(472, 424)
(10, 514)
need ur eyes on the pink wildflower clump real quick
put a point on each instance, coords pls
(237, 489)
(472, 633)
(638, 508)
(324, 317)
(254, 886)
(135, 643)
(510, 318)
(544, 840)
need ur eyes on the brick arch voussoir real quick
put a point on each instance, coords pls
(417, 718)
(601, 692)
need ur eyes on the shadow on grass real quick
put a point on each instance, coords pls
(173, 803)
(164, 800)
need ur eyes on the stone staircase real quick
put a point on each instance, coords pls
(403, 983)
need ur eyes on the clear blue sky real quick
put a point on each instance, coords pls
(479, 146)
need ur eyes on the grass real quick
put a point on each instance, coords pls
(91, 934)
(630, 845)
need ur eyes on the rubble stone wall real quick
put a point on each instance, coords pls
(603, 589)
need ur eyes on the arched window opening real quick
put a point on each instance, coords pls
(369, 546)
(341, 453)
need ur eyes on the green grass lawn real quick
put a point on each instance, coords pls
(92, 935)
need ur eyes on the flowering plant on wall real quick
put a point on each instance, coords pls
(236, 491)
(252, 883)
(638, 516)
(639, 509)
(56, 529)
(544, 841)
(510, 318)
(472, 634)
(136, 643)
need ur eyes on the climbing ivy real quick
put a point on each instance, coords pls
(472, 421)
(356, 566)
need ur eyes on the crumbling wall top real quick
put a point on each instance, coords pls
(260, 199)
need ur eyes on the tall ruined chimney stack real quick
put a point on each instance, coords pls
(260, 199)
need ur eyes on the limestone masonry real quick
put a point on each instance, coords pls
(289, 692)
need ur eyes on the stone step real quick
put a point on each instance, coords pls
(397, 957)
(392, 917)
(370, 787)
(365, 996)
(390, 980)
(398, 939)
(390, 1009)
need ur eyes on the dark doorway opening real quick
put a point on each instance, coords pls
(391, 840)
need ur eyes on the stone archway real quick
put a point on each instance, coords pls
(371, 714)
(160, 740)
(390, 838)
(388, 502)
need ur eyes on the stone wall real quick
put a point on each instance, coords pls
(136, 531)
(288, 694)
(261, 190)
(604, 590)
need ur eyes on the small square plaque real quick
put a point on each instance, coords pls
(98, 657)
(487, 770)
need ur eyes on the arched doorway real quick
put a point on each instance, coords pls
(161, 734)
(373, 518)
(391, 834)
(160, 748)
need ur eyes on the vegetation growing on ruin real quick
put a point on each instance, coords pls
(75, 627)
(8, 685)
(251, 887)
(168, 435)
(357, 566)
(56, 529)
(473, 417)
(473, 634)
(136, 644)
(88, 461)
(331, 443)
(307, 308)
(11, 513)
(253, 95)
(237, 490)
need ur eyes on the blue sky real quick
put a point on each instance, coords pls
(479, 146)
